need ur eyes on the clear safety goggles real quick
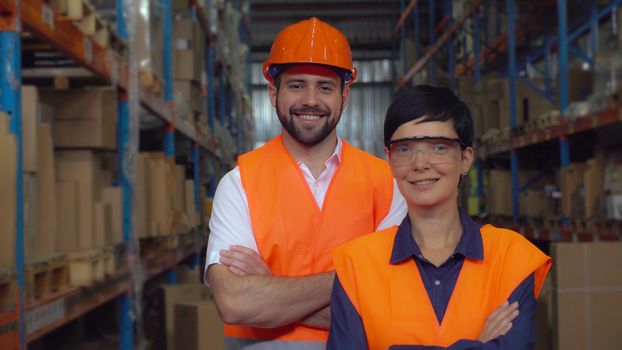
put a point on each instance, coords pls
(434, 149)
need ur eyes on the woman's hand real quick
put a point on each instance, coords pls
(499, 322)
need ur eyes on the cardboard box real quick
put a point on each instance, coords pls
(30, 118)
(198, 326)
(191, 212)
(500, 189)
(176, 293)
(67, 199)
(80, 166)
(8, 199)
(143, 195)
(192, 91)
(30, 214)
(187, 65)
(536, 203)
(85, 118)
(103, 225)
(587, 310)
(594, 184)
(161, 189)
(113, 197)
(571, 179)
(46, 192)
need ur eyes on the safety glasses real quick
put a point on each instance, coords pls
(434, 149)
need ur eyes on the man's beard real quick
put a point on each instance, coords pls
(308, 137)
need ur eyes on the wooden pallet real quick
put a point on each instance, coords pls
(45, 276)
(86, 267)
(8, 290)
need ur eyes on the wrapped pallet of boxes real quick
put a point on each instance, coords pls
(188, 41)
(587, 295)
(8, 199)
(85, 118)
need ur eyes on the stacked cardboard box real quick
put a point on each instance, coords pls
(40, 221)
(613, 190)
(534, 201)
(83, 175)
(179, 327)
(189, 45)
(85, 118)
(8, 199)
(587, 295)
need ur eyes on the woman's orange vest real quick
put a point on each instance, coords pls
(293, 235)
(393, 302)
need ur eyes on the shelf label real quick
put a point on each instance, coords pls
(534, 138)
(594, 122)
(45, 315)
(547, 134)
(48, 15)
(88, 50)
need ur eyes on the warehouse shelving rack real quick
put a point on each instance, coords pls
(37, 17)
(489, 55)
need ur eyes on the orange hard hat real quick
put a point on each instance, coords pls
(310, 42)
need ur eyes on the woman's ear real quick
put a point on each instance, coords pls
(467, 160)
(387, 153)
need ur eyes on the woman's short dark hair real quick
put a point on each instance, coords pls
(431, 104)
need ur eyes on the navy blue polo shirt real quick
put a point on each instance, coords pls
(347, 330)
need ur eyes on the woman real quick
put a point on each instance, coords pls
(439, 280)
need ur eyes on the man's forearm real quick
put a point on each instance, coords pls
(319, 319)
(268, 301)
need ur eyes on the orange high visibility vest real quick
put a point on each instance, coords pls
(293, 235)
(394, 304)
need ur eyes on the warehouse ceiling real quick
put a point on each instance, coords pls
(368, 24)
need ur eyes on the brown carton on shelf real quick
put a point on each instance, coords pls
(67, 199)
(161, 188)
(84, 117)
(113, 197)
(571, 179)
(102, 220)
(191, 212)
(81, 167)
(143, 195)
(8, 199)
(587, 295)
(177, 293)
(198, 326)
(46, 192)
(594, 182)
(30, 118)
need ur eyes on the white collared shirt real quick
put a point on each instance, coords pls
(230, 223)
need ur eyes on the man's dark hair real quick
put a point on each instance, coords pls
(282, 68)
(431, 104)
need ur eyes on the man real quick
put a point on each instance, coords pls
(280, 213)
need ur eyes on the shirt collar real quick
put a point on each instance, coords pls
(335, 157)
(470, 245)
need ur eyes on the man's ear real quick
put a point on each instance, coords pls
(272, 92)
(345, 98)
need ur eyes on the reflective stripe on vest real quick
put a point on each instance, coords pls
(293, 235)
(393, 302)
